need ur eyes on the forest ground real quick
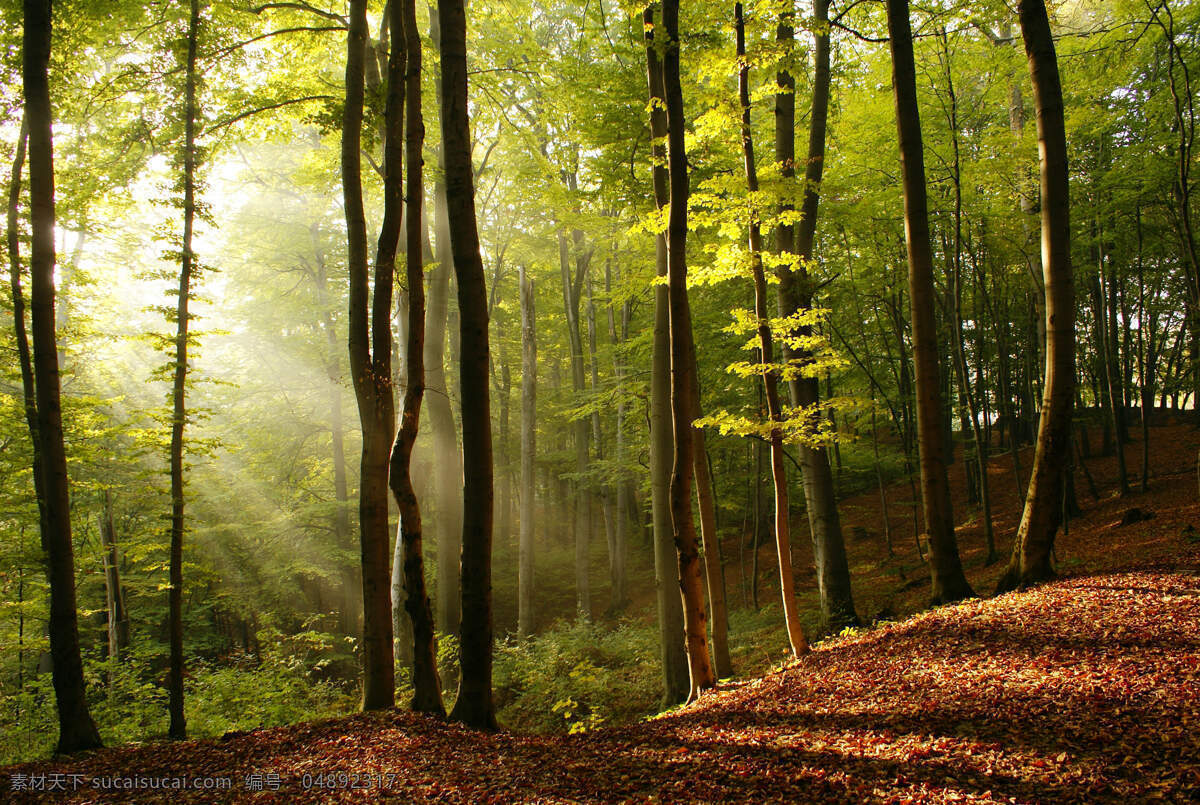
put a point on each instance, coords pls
(1084, 690)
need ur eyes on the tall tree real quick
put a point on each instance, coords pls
(948, 581)
(795, 295)
(475, 705)
(370, 347)
(787, 586)
(76, 729)
(670, 606)
(177, 729)
(573, 282)
(682, 524)
(24, 355)
(1030, 561)
(528, 453)
(405, 60)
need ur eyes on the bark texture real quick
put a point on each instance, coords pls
(670, 606)
(948, 581)
(177, 730)
(370, 360)
(682, 523)
(405, 63)
(783, 528)
(77, 730)
(1030, 561)
(474, 706)
(795, 295)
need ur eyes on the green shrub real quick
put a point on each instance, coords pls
(129, 702)
(578, 676)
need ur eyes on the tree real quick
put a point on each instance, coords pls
(528, 454)
(948, 581)
(76, 729)
(370, 346)
(405, 59)
(787, 587)
(682, 367)
(118, 615)
(474, 706)
(448, 460)
(187, 271)
(1040, 519)
(796, 244)
(670, 606)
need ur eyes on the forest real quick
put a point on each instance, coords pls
(570, 401)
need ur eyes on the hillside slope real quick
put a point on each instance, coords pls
(1081, 691)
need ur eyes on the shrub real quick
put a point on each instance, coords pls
(578, 676)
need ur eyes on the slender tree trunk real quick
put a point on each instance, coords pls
(572, 291)
(948, 581)
(1034, 543)
(178, 726)
(1145, 385)
(670, 605)
(787, 586)
(1105, 348)
(758, 518)
(883, 501)
(795, 295)
(370, 351)
(474, 706)
(118, 617)
(349, 614)
(24, 356)
(528, 453)
(619, 549)
(960, 349)
(682, 471)
(605, 490)
(447, 460)
(77, 730)
(404, 63)
(710, 538)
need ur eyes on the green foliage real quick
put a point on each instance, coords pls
(577, 676)
(130, 705)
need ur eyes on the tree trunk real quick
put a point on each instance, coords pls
(177, 730)
(683, 526)
(118, 617)
(619, 549)
(475, 706)
(795, 295)
(349, 614)
(670, 606)
(883, 501)
(787, 586)
(960, 350)
(1145, 383)
(404, 63)
(370, 357)
(77, 730)
(447, 459)
(528, 453)
(615, 571)
(1104, 348)
(572, 291)
(24, 356)
(1034, 543)
(948, 581)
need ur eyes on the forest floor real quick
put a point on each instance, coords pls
(1084, 690)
